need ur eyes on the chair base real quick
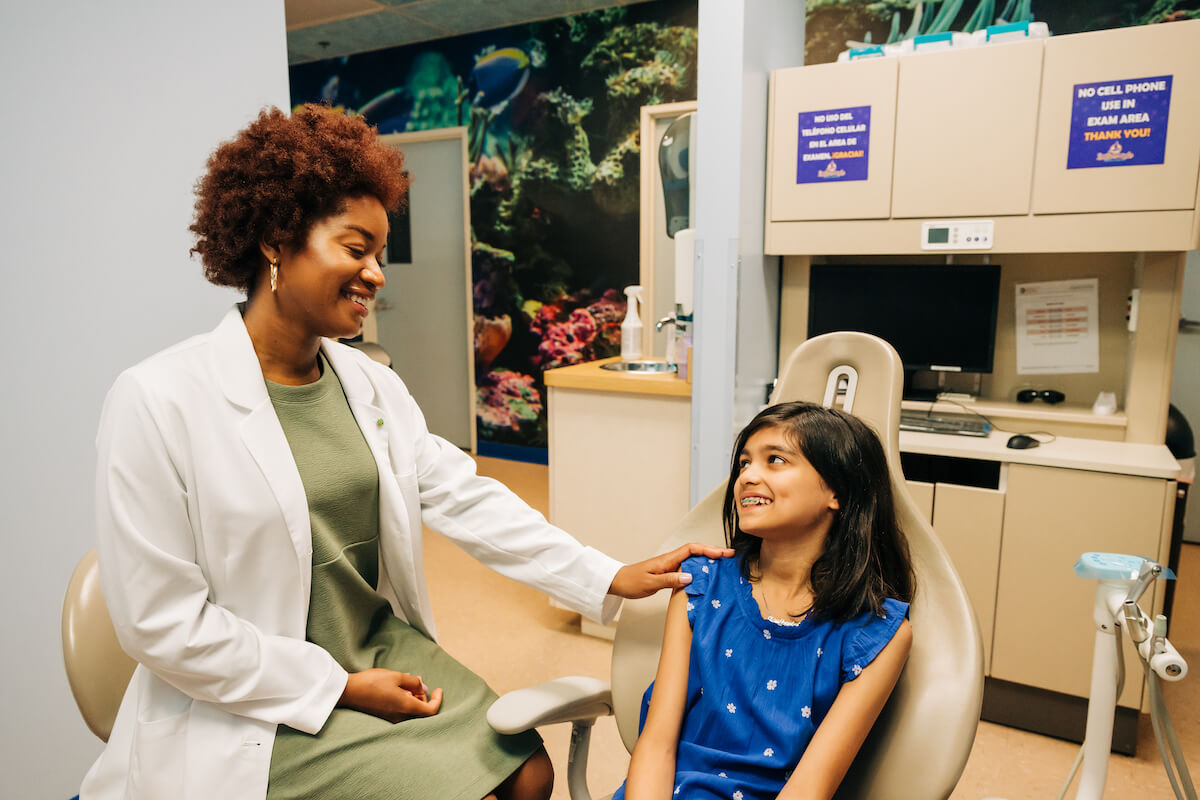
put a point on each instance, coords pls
(1062, 716)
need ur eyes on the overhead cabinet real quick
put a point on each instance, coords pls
(965, 129)
(1138, 86)
(1036, 139)
(833, 140)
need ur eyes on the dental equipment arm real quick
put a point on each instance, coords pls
(1122, 581)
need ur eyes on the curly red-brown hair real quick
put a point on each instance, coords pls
(279, 177)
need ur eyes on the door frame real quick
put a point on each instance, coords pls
(650, 189)
(398, 141)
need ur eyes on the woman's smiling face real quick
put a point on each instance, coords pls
(325, 285)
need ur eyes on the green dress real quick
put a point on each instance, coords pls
(454, 754)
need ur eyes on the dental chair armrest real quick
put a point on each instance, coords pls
(570, 699)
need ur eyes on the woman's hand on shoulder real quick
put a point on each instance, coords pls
(644, 578)
(394, 696)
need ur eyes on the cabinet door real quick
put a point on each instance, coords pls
(818, 111)
(619, 475)
(969, 521)
(1121, 60)
(1044, 631)
(966, 121)
(922, 494)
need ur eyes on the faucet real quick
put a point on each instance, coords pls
(682, 326)
(677, 318)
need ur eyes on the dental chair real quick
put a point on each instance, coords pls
(920, 743)
(97, 668)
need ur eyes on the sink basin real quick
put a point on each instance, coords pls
(642, 366)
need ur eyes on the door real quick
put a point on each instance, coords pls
(423, 312)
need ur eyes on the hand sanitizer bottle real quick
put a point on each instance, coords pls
(631, 328)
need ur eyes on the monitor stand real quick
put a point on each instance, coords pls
(913, 392)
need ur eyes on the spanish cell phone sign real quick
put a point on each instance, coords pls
(1119, 123)
(834, 145)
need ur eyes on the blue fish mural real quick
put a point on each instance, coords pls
(498, 77)
(389, 110)
(329, 91)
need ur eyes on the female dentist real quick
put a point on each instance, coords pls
(260, 496)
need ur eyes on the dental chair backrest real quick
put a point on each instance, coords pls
(920, 743)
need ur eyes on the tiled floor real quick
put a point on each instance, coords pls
(512, 637)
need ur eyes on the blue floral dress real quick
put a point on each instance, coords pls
(758, 689)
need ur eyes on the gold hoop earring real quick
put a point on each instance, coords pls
(274, 274)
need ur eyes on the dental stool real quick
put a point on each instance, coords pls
(919, 745)
(97, 668)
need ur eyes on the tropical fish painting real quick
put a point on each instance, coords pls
(498, 77)
(552, 112)
(329, 91)
(389, 110)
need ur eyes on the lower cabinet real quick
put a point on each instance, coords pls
(1044, 633)
(1014, 544)
(619, 470)
(968, 520)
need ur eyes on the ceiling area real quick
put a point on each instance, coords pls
(319, 29)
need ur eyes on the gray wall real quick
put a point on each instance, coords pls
(110, 110)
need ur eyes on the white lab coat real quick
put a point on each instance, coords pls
(205, 559)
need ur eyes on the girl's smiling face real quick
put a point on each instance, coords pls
(777, 491)
(325, 285)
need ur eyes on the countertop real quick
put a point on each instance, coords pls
(1094, 455)
(590, 376)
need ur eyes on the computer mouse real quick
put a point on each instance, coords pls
(1022, 442)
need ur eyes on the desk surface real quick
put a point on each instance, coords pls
(1093, 455)
(590, 376)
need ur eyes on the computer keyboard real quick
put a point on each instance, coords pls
(954, 424)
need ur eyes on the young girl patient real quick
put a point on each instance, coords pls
(776, 663)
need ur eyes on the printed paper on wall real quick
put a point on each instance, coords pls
(1058, 328)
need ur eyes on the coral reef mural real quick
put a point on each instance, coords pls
(552, 110)
(832, 26)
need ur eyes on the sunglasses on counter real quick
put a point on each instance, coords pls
(1045, 395)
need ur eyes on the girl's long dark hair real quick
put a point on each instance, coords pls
(866, 556)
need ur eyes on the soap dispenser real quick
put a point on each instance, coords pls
(631, 328)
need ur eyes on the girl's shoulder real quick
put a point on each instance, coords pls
(709, 573)
(714, 579)
(865, 635)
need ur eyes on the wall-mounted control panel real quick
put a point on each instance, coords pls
(966, 234)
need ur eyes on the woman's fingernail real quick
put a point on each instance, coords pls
(685, 579)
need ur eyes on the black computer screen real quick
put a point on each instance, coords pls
(935, 315)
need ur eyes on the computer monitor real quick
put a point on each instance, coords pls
(939, 317)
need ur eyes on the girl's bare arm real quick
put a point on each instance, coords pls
(652, 768)
(845, 727)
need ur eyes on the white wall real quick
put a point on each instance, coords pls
(737, 287)
(110, 110)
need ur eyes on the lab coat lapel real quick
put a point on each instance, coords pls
(393, 509)
(240, 375)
